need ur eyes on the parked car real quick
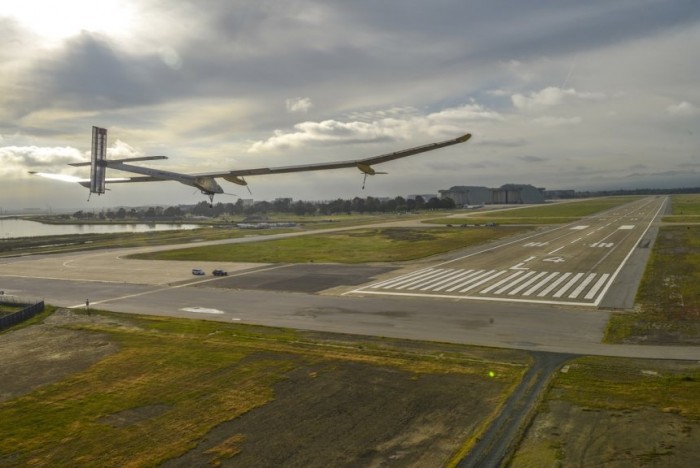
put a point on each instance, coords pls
(220, 273)
(198, 271)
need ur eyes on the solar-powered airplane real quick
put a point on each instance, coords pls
(206, 182)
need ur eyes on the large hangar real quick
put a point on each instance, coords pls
(507, 194)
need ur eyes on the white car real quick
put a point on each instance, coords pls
(198, 271)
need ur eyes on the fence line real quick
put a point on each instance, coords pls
(33, 307)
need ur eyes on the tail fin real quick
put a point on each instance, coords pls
(98, 166)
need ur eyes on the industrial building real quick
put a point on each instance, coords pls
(504, 195)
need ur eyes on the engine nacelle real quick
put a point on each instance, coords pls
(236, 180)
(366, 169)
(207, 185)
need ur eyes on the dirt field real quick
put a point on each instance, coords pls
(328, 408)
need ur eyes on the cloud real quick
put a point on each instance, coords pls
(170, 57)
(532, 159)
(299, 104)
(205, 86)
(121, 150)
(448, 122)
(549, 121)
(458, 167)
(551, 97)
(502, 142)
(682, 109)
(466, 113)
(331, 132)
(661, 174)
(18, 160)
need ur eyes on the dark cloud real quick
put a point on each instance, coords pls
(90, 72)
(532, 159)
(273, 51)
(503, 143)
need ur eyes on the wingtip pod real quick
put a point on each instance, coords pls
(464, 138)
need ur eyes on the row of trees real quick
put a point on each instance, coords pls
(339, 206)
(284, 205)
(133, 213)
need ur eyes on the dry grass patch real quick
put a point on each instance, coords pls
(202, 392)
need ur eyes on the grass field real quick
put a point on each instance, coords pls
(6, 309)
(685, 209)
(551, 213)
(668, 299)
(617, 412)
(357, 246)
(209, 391)
(223, 228)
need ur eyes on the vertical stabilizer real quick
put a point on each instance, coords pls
(98, 167)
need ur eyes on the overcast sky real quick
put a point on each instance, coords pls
(559, 94)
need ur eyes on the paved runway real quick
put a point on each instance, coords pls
(570, 265)
(266, 294)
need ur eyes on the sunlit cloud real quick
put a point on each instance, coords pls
(301, 105)
(400, 126)
(18, 160)
(551, 97)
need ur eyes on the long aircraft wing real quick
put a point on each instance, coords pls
(367, 162)
(363, 165)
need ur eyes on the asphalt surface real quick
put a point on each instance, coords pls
(289, 296)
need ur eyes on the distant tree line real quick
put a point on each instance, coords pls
(338, 206)
(284, 205)
(607, 193)
(153, 212)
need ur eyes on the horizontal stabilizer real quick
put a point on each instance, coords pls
(108, 161)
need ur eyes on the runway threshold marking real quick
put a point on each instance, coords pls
(506, 285)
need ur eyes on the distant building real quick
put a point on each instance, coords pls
(467, 195)
(517, 194)
(506, 194)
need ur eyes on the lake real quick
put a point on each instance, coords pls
(10, 228)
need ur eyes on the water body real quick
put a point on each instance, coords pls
(11, 228)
